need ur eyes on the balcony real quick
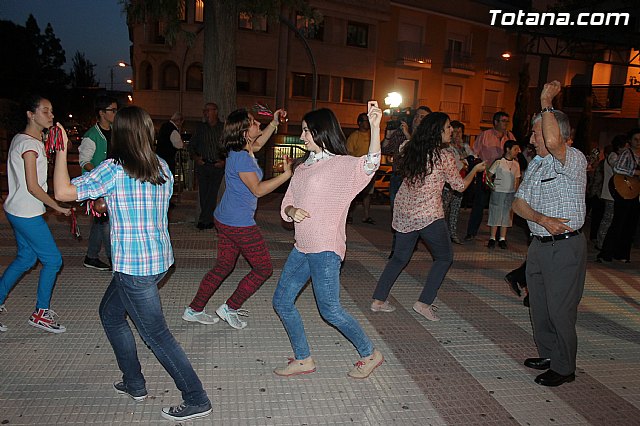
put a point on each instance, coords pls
(412, 54)
(605, 97)
(461, 63)
(456, 110)
(497, 69)
(487, 113)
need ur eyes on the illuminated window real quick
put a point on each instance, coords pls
(309, 28)
(199, 11)
(250, 22)
(182, 10)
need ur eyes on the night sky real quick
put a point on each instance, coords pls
(96, 28)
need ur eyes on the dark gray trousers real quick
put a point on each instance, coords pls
(555, 278)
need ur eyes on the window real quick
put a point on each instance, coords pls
(357, 34)
(182, 10)
(353, 90)
(302, 85)
(251, 81)
(194, 78)
(145, 79)
(199, 17)
(250, 22)
(170, 77)
(309, 28)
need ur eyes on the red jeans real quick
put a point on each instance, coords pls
(233, 241)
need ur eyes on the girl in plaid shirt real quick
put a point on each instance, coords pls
(137, 186)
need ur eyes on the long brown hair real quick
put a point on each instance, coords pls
(132, 139)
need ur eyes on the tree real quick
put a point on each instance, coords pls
(82, 73)
(521, 115)
(220, 24)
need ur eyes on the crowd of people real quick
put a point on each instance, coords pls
(432, 168)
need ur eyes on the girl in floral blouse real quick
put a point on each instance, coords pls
(424, 167)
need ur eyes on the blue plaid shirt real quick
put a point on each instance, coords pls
(556, 190)
(140, 243)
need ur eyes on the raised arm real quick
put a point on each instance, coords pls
(271, 128)
(550, 129)
(62, 187)
(262, 188)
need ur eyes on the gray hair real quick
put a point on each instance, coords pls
(177, 116)
(563, 123)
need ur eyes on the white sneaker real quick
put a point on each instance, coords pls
(2, 326)
(201, 317)
(230, 316)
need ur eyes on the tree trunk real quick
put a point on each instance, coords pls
(219, 67)
(521, 115)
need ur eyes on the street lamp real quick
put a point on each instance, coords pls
(120, 64)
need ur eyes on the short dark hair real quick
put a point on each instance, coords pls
(619, 141)
(633, 131)
(425, 108)
(102, 102)
(508, 145)
(457, 125)
(362, 117)
(498, 115)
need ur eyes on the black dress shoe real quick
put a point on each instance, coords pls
(538, 363)
(525, 301)
(551, 378)
(513, 283)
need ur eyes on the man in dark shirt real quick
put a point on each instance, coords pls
(208, 157)
(170, 141)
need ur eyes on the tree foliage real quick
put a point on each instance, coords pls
(82, 72)
(220, 24)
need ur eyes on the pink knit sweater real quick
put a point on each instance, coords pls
(325, 190)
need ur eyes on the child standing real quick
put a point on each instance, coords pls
(505, 173)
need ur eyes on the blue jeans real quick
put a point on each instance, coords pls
(324, 270)
(99, 236)
(437, 237)
(138, 297)
(35, 242)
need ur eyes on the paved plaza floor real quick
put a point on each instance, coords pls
(464, 370)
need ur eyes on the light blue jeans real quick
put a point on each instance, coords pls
(324, 270)
(35, 242)
(138, 297)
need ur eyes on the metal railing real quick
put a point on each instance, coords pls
(605, 97)
(276, 154)
(459, 60)
(456, 110)
(487, 113)
(414, 52)
(497, 67)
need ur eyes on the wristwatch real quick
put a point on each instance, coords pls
(547, 109)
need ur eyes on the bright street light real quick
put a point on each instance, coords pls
(393, 99)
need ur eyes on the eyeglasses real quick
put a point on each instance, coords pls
(113, 110)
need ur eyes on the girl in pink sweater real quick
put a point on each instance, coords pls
(324, 183)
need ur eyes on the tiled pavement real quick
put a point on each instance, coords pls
(466, 369)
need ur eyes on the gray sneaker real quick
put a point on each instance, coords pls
(186, 412)
(230, 316)
(121, 388)
(201, 317)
